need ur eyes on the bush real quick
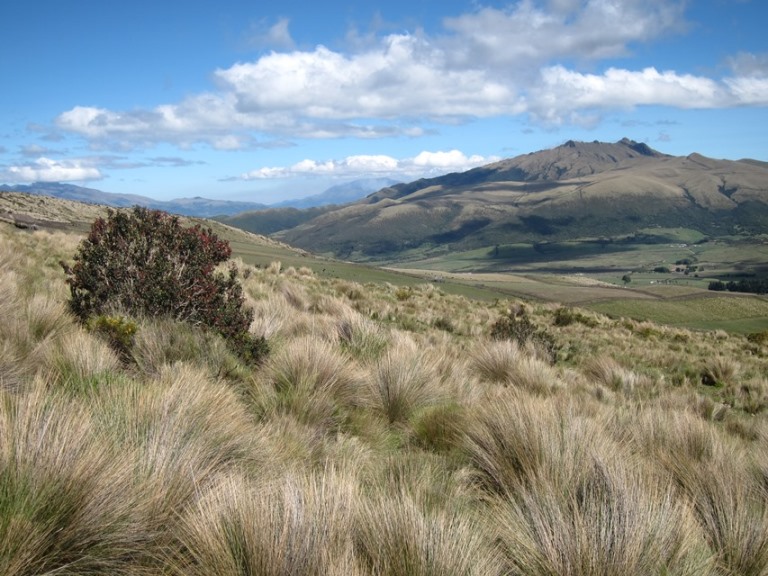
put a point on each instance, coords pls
(145, 263)
(117, 330)
(567, 316)
(516, 326)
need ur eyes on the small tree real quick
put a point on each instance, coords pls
(145, 263)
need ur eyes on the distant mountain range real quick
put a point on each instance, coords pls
(577, 190)
(339, 194)
(199, 207)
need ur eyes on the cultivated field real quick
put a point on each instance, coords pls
(387, 433)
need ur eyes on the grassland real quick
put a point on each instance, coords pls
(386, 434)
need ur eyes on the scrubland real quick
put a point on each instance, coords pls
(387, 433)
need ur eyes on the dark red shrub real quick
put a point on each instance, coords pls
(145, 263)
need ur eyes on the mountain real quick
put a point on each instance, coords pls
(339, 194)
(198, 207)
(577, 190)
(205, 207)
(292, 213)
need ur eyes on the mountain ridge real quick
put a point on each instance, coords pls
(574, 190)
(198, 206)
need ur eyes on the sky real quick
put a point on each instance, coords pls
(269, 101)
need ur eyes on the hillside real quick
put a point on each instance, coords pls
(392, 430)
(577, 190)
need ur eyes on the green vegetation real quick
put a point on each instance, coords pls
(742, 314)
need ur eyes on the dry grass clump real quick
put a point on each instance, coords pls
(611, 520)
(297, 524)
(669, 435)
(361, 337)
(65, 505)
(161, 342)
(731, 510)
(494, 360)
(79, 360)
(176, 434)
(607, 372)
(514, 439)
(395, 535)
(402, 382)
(720, 371)
(506, 362)
(313, 381)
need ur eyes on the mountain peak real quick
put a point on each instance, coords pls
(573, 159)
(640, 147)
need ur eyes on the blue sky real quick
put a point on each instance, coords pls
(269, 101)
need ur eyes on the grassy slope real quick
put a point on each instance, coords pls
(386, 434)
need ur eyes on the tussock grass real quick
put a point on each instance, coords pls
(731, 511)
(719, 371)
(396, 535)
(313, 381)
(611, 520)
(506, 362)
(402, 382)
(515, 440)
(494, 361)
(606, 371)
(361, 337)
(385, 434)
(79, 359)
(297, 524)
(65, 505)
(160, 342)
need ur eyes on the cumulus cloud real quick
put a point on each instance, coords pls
(48, 170)
(528, 33)
(562, 91)
(404, 76)
(522, 59)
(423, 164)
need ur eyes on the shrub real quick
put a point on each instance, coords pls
(515, 325)
(444, 323)
(117, 330)
(566, 316)
(145, 263)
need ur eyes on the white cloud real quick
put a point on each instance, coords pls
(751, 90)
(527, 34)
(453, 160)
(563, 92)
(404, 76)
(524, 59)
(423, 164)
(47, 170)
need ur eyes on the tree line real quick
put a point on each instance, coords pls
(750, 285)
